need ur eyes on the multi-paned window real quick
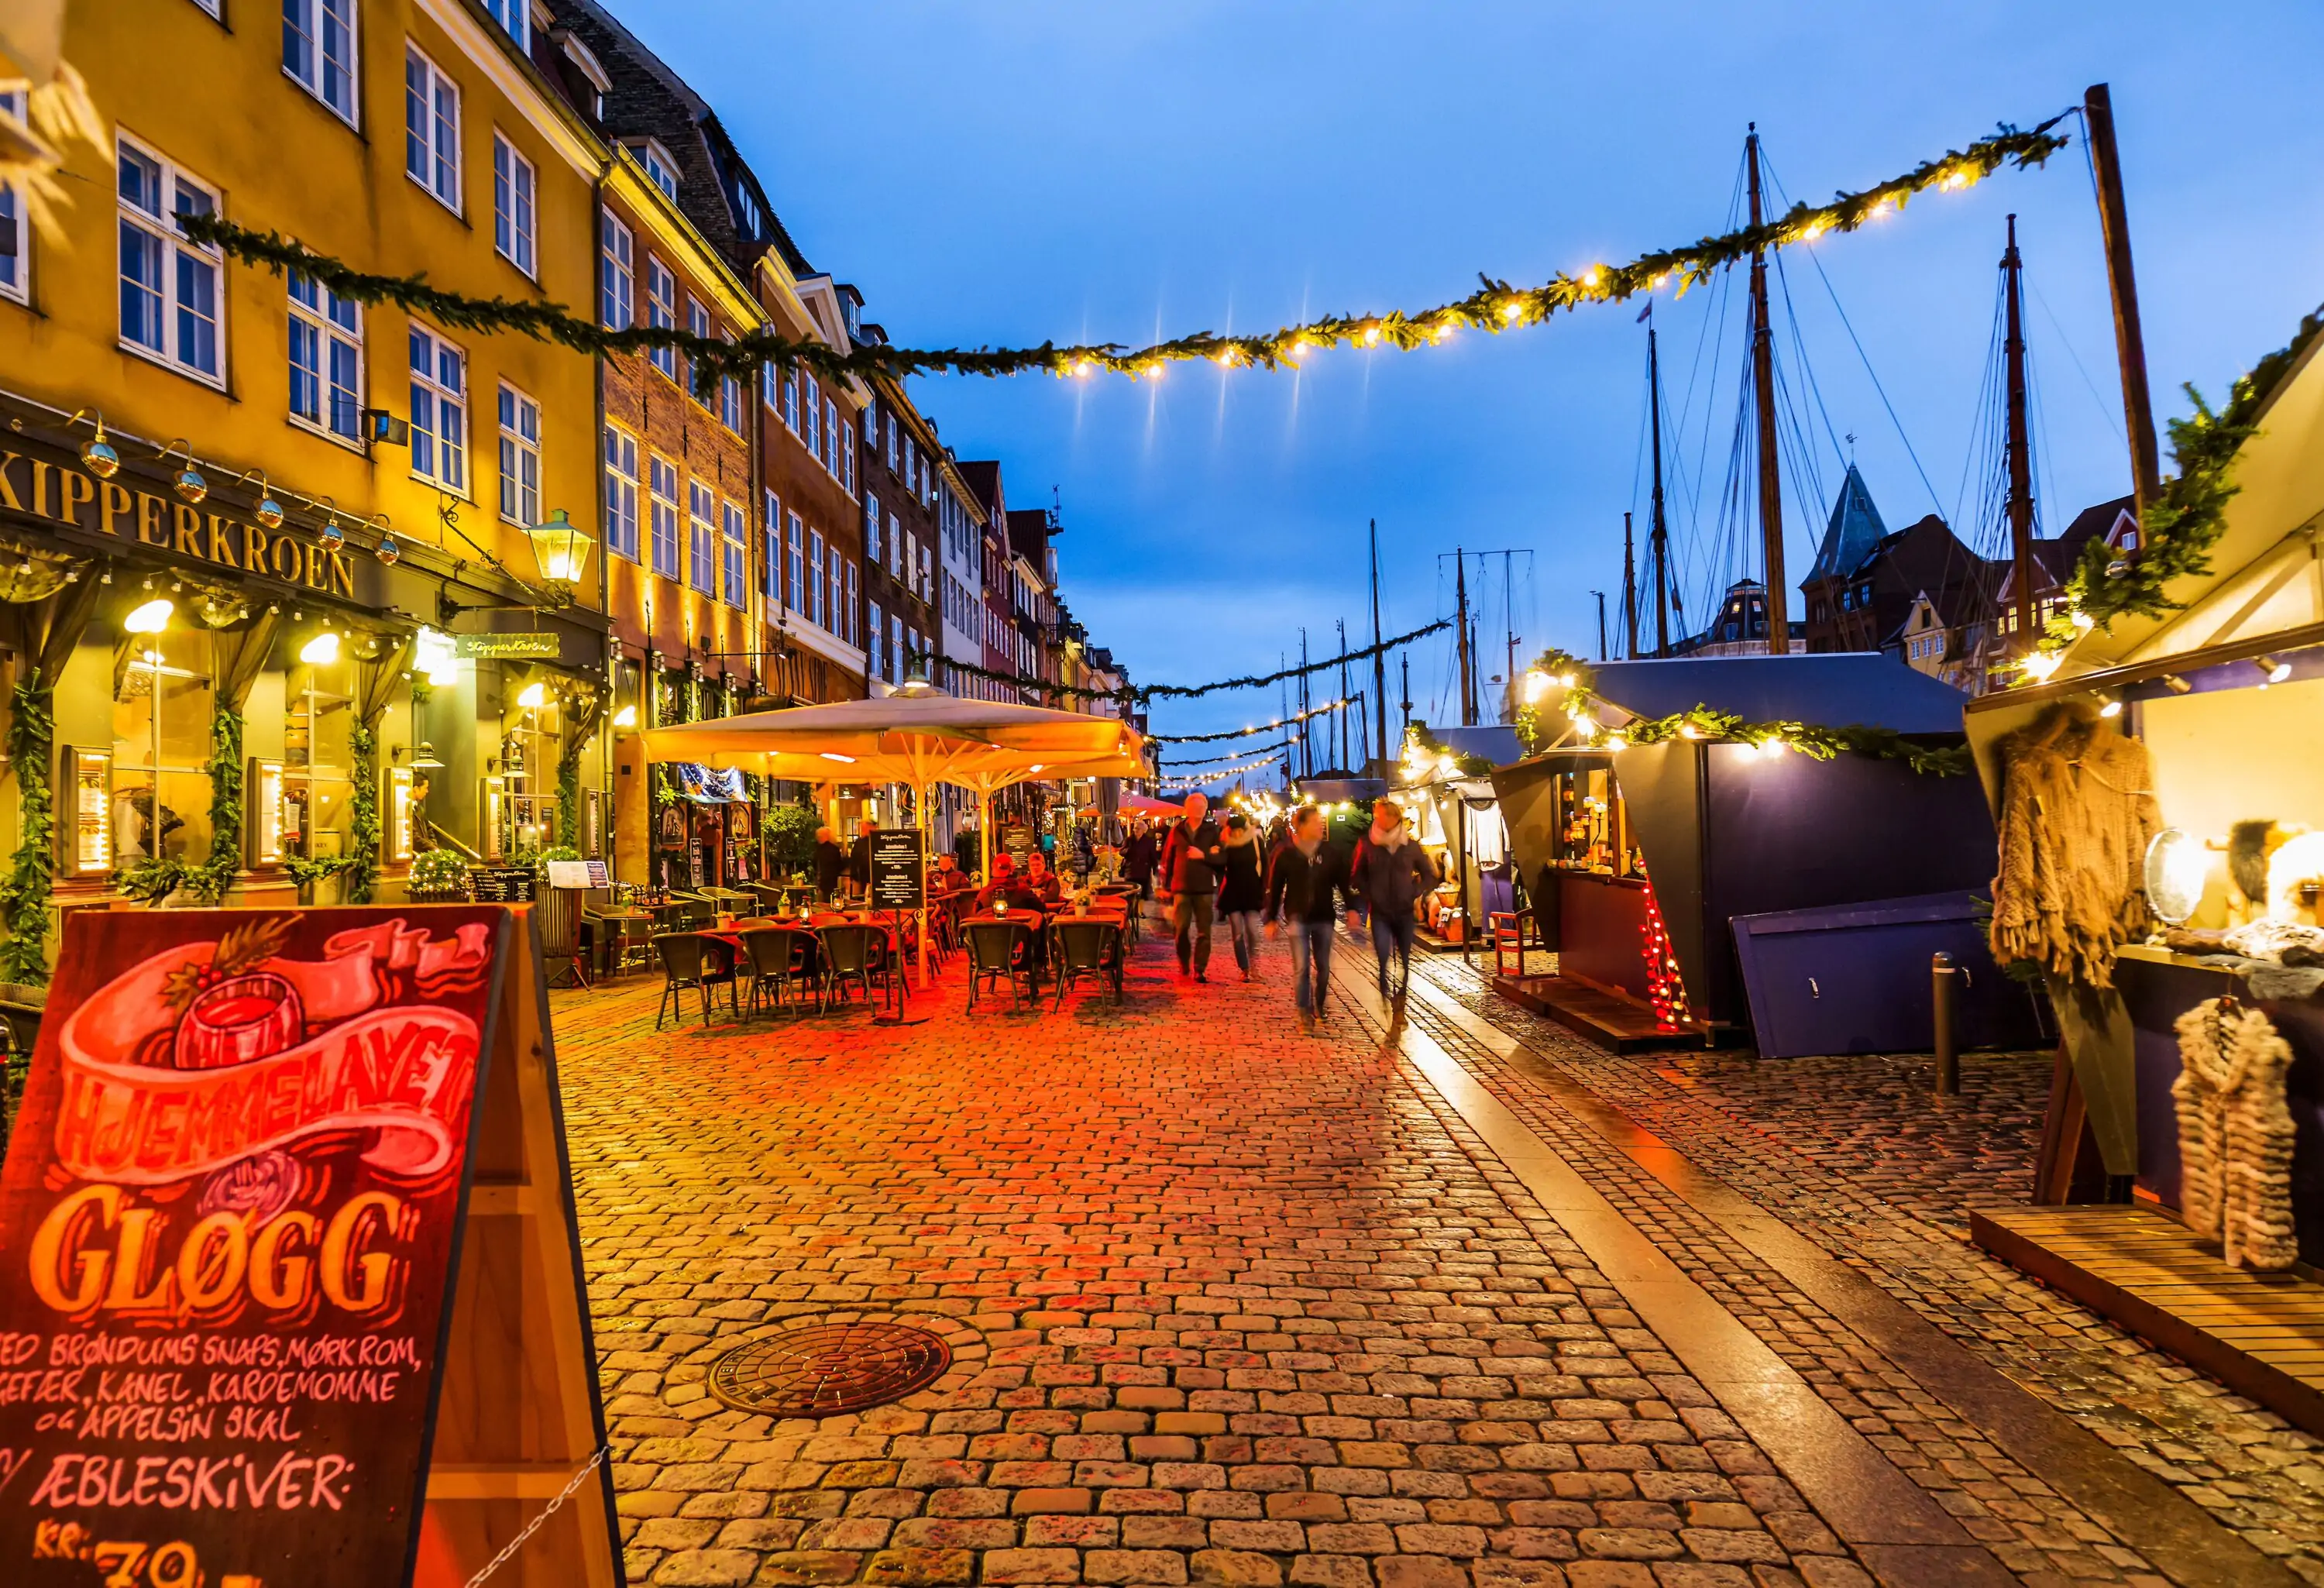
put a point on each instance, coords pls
(872, 528)
(737, 538)
(730, 404)
(661, 507)
(616, 279)
(621, 493)
(895, 545)
(818, 591)
(810, 407)
(171, 305)
(846, 626)
(160, 787)
(516, 16)
(791, 400)
(661, 168)
(15, 236)
(661, 313)
(872, 643)
(440, 410)
(770, 531)
(318, 51)
(697, 323)
(798, 565)
(830, 435)
(847, 455)
(512, 210)
(898, 657)
(325, 358)
(702, 537)
(520, 457)
(431, 127)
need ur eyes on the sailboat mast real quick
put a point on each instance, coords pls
(1763, 399)
(1306, 723)
(2021, 452)
(1629, 593)
(1468, 662)
(1661, 540)
(1341, 715)
(1379, 658)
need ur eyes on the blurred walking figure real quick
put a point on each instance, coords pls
(1389, 873)
(1242, 890)
(1301, 885)
(1187, 880)
(1139, 855)
(830, 863)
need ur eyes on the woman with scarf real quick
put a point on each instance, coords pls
(1242, 889)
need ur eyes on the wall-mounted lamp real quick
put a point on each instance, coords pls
(97, 453)
(2176, 685)
(627, 717)
(321, 651)
(559, 549)
(2276, 671)
(152, 618)
(388, 552)
(187, 481)
(268, 512)
(533, 696)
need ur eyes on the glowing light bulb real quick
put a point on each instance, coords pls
(533, 696)
(2083, 621)
(2041, 664)
(1594, 275)
(150, 618)
(1512, 309)
(321, 651)
(627, 717)
(1772, 748)
(1371, 336)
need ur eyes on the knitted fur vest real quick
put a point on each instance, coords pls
(2235, 1135)
(2076, 815)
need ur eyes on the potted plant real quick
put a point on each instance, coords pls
(439, 876)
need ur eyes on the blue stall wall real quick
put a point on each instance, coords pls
(1790, 833)
(2156, 996)
(1854, 979)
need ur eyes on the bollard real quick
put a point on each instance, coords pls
(1942, 978)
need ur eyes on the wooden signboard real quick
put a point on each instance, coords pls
(898, 882)
(290, 1286)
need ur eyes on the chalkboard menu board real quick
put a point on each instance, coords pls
(231, 1207)
(897, 879)
(501, 884)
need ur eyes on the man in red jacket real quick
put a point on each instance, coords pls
(1188, 883)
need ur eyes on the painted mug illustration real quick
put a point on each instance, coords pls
(232, 1021)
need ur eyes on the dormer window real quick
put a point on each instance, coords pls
(661, 168)
(596, 84)
(516, 17)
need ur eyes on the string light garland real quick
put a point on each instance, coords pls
(1183, 692)
(1495, 306)
(1268, 754)
(1269, 727)
(1665, 986)
(1202, 779)
(1556, 671)
(2181, 525)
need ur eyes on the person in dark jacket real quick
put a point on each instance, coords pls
(1389, 873)
(859, 859)
(1139, 858)
(1307, 879)
(1242, 889)
(1187, 882)
(968, 849)
(1008, 885)
(830, 863)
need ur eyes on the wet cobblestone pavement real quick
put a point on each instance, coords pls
(1231, 1305)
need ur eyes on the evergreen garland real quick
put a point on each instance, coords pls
(1700, 722)
(31, 878)
(1495, 306)
(1184, 692)
(363, 817)
(568, 792)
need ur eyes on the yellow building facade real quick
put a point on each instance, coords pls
(310, 518)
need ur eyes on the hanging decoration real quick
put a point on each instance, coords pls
(362, 816)
(1666, 987)
(1269, 753)
(1558, 670)
(1495, 306)
(2181, 525)
(1426, 756)
(1203, 779)
(1269, 727)
(1131, 697)
(1189, 692)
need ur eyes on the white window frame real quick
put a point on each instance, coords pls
(520, 476)
(797, 602)
(870, 528)
(771, 532)
(818, 595)
(617, 276)
(847, 613)
(730, 402)
(321, 320)
(810, 399)
(665, 507)
(662, 311)
(790, 401)
(895, 546)
(661, 165)
(312, 17)
(698, 323)
(623, 489)
(443, 169)
(177, 252)
(734, 528)
(872, 643)
(847, 455)
(430, 383)
(17, 285)
(515, 17)
(702, 537)
(516, 207)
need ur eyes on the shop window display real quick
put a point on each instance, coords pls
(1592, 828)
(317, 757)
(162, 713)
(526, 815)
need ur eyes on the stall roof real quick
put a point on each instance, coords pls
(1866, 687)
(1496, 742)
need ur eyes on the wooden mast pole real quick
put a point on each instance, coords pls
(2129, 340)
(2021, 458)
(1468, 663)
(1629, 593)
(1661, 534)
(1763, 399)
(1379, 658)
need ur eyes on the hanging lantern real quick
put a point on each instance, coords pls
(187, 481)
(97, 453)
(269, 512)
(559, 548)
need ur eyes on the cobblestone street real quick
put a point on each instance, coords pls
(1485, 1306)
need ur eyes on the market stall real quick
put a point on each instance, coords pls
(1637, 856)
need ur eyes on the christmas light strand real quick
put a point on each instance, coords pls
(1268, 726)
(1271, 752)
(1496, 306)
(1203, 779)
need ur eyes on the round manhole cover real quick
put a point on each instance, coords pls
(825, 1368)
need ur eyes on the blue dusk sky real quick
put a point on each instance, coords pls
(1004, 173)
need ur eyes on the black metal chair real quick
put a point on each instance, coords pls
(999, 949)
(783, 958)
(688, 961)
(851, 952)
(1086, 948)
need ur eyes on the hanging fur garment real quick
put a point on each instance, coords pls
(2234, 1134)
(2076, 814)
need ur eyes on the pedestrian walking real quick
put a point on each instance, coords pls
(968, 849)
(1138, 859)
(830, 862)
(1188, 883)
(859, 859)
(1389, 873)
(1242, 890)
(1308, 878)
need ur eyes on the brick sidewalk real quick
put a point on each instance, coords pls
(1859, 1155)
(1232, 1307)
